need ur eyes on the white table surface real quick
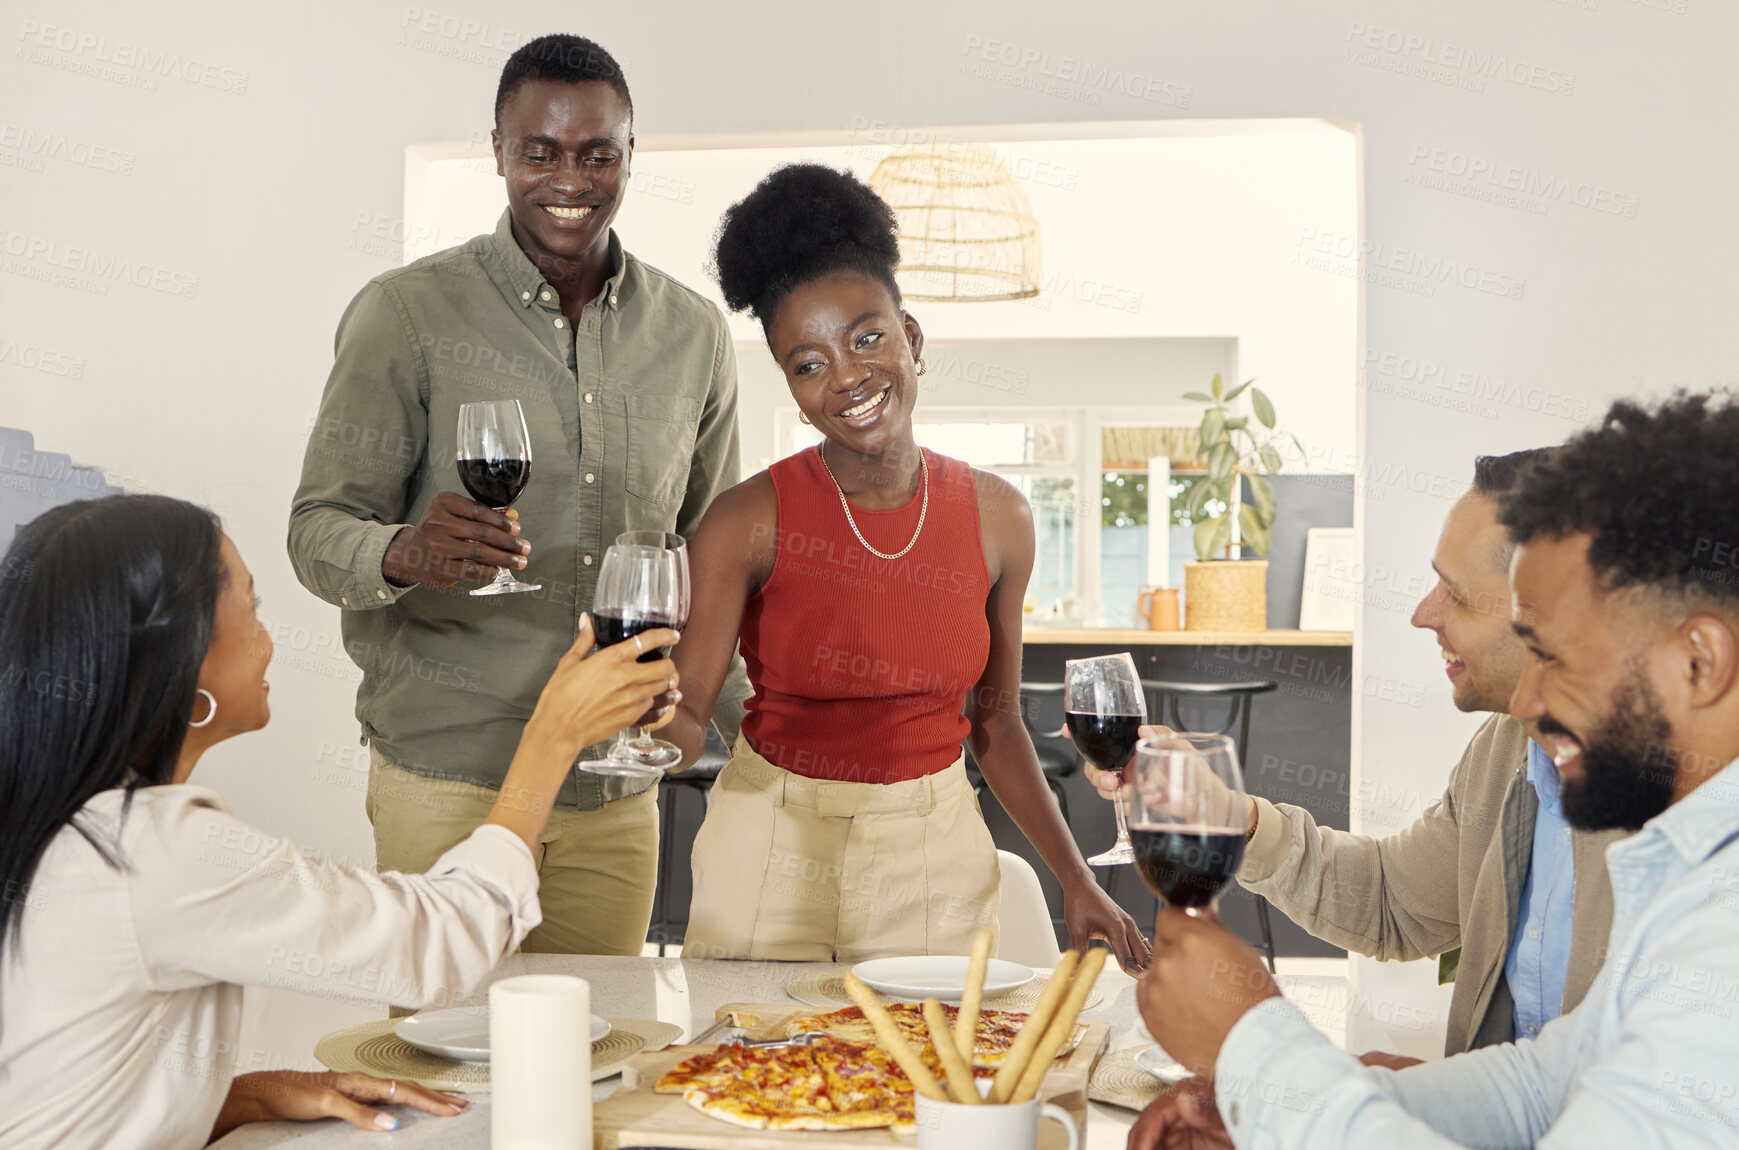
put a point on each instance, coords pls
(687, 992)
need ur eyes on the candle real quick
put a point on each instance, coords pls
(540, 1063)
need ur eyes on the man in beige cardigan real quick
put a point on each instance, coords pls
(1467, 873)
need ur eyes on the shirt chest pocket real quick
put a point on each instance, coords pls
(661, 434)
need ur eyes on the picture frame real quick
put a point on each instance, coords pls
(1331, 588)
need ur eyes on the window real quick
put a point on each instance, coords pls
(1088, 474)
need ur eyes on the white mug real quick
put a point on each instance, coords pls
(1011, 1126)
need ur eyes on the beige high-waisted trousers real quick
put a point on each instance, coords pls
(793, 868)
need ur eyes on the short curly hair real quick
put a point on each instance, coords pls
(566, 59)
(801, 222)
(1654, 488)
(1495, 476)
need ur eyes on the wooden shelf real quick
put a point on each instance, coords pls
(1118, 637)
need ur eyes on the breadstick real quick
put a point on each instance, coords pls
(913, 1066)
(1062, 1027)
(961, 1083)
(966, 1023)
(1034, 1029)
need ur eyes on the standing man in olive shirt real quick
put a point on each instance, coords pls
(628, 383)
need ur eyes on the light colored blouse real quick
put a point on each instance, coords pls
(120, 1013)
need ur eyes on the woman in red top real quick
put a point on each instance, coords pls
(876, 590)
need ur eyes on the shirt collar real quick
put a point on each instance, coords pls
(1696, 826)
(1543, 773)
(526, 283)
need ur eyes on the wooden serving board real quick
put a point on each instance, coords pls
(635, 1116)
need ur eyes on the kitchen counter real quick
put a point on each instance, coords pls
(1121, 637)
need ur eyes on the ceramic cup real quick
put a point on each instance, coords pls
(955, 1125)
(540, 1044)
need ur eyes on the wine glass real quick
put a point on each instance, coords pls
(1189, 818)
(494, 466)
(672, 542)
(641, 585)
(1104, 707)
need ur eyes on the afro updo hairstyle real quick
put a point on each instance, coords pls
(801, 222)
(1654, 489)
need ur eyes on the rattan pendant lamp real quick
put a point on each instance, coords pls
(967, 231)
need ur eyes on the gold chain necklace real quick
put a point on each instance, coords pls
(923, 508)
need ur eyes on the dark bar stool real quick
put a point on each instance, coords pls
(1164, 705)
(1057, 756)
(697, 780)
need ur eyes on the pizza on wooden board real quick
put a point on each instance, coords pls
(830, 1085)
(996, 1032)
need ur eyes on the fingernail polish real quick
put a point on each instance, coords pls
(524, 547)
(386, 1122)
(676, 696)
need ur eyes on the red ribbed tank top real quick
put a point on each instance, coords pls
(861, 665)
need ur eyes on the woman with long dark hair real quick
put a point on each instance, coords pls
(137, 906)
(876, 590)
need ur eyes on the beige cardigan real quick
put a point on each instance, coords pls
(1452, 878)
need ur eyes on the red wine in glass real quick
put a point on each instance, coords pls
(1189, 818)
(1104, 706)
(616, 628)
(1108, 741)
(642, 584)
(1187, 866)
(495, 482)
(494, 461)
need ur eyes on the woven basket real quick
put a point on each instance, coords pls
(1226, 595)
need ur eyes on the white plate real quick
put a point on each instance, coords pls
(462, 1033)
(938, 976)
(1161, 1065)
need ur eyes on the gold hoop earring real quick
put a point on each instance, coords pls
(922, 367)
(804, 420)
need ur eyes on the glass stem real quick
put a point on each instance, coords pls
(1122, 821)
(503, 577)
(633, 737)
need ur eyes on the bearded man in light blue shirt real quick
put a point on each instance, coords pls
(1626, 596)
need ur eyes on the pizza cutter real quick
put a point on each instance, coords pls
(739, 1024)
(807, 1038)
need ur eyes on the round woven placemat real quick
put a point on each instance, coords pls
(827, 991)
(1120, 1082)
(373, 1048)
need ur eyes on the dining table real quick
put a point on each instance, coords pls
(687, 992)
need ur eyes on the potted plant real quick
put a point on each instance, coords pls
(1220, 593)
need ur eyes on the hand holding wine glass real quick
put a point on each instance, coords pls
(1105, 707)
(1202, 980)
(1188, 821)
(642, 585)
(457, 539)
(590, 694)
(495, 465)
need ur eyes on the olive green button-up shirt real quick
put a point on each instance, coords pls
(633, 420)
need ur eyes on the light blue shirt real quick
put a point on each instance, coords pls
(1650, 1057)
(1540, 949)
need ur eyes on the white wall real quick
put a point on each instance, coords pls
(1148, 236)
(257, 194)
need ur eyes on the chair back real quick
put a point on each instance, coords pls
(1027, 936)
